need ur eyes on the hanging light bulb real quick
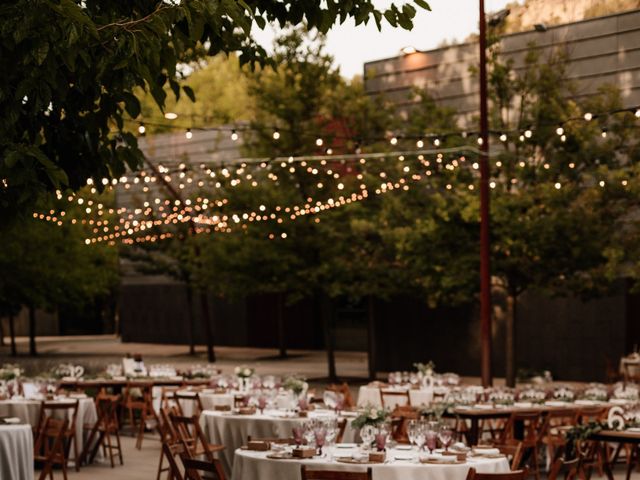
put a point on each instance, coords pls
(188, 134)
(528, 133)
(604, 133)
(480, 141)
(141, 128)
(319, 142)
(560, 130)
(588, 116)
(503, 137)
(420, 143)
(276, 134)
(436, 142)
(393, 141)
(234, 135)
(563, 138)
(329, 151)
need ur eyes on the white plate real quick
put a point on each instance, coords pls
(403, 447)
(12, 420)
(346, 445)
(633, 429)
(405, 458)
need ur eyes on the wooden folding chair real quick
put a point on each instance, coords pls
(171, 445)
(143, 405)
(69, 410)
(343, 388)
(194, 467)
(306, 474)
(170, 454)
(167, 397)
(191, 398)
(49, 447)
(515, 475)
(531, 424)
(395, 398)
(102, 431)
(400, 419)
(571, 468)
(553, 432)
(191, 435)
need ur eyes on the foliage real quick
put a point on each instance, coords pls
(296, 384)
(75, 66)
(425, 368)
(371, 415)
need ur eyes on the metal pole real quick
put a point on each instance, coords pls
(485, 272)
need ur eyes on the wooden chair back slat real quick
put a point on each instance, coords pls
(307, 474)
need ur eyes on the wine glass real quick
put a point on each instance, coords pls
(298, 434)
(381, 437)
(430, 439)
(309, 433)
(411, 430)
(320, 435)
(367, 434)
(420, 435)
(445, 435)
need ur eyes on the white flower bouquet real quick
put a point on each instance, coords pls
(244, 371)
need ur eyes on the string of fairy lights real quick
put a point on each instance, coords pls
(521, 134)
(346, 179)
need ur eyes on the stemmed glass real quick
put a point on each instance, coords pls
(298, 434)
(367, 434)
(381, 437)
(445, 435)
(309, 433)
(320, 435)
(420, 435)
(430, 438)
(412, 428)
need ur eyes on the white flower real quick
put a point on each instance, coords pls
(373, 414)
(237, 370)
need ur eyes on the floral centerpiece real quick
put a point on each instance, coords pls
(595, 391)
(564, 394)
(372, 416)
(10, 371)
(295, 384)
(425, 368)
(534, 395)
(437, 409)
(244, 374)
(502, 396)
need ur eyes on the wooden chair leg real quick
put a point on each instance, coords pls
(143, 421)
(119, 447)
(108, 437)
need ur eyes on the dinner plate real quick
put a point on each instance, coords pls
(403, 447)
(11, 420)
(346, 445)
(404, 458)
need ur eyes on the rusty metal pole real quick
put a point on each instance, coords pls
(485, 271)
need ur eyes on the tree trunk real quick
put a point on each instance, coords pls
(510, 350)
(282, 334)
(328, 338)
(1, 333)
(32, 331)
(371, 338)
(192, 346)
(204, 302)
(12, 333)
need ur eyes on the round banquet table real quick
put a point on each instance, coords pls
(28, 411)
(232, 430)
(16, 452)
(251, 465)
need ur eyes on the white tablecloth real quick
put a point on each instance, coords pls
(232, 430)
(250, 465)
(16, 452)
(370, 395)
(29, 412)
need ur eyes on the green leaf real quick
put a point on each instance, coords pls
(131, 104)
(423, 4)
(189, 92)
(40, 53)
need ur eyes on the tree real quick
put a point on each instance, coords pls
(551, 224)
(47, 266)
(76, 64)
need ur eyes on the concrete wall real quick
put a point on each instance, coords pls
(604, 50)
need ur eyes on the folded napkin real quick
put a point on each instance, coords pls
(486, 451)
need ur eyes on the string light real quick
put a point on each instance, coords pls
(528, 133)
(503, 137)
(420, 143)
(560, 130)
(276, 135)
(141, 128)
(603, 133)
(393, 141)
(188, 134)
(436, 142)
(319, 142)
(234, 135)
(588, 116)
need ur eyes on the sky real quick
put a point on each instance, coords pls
(352, 46)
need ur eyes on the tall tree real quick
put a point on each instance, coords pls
(76, 64)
